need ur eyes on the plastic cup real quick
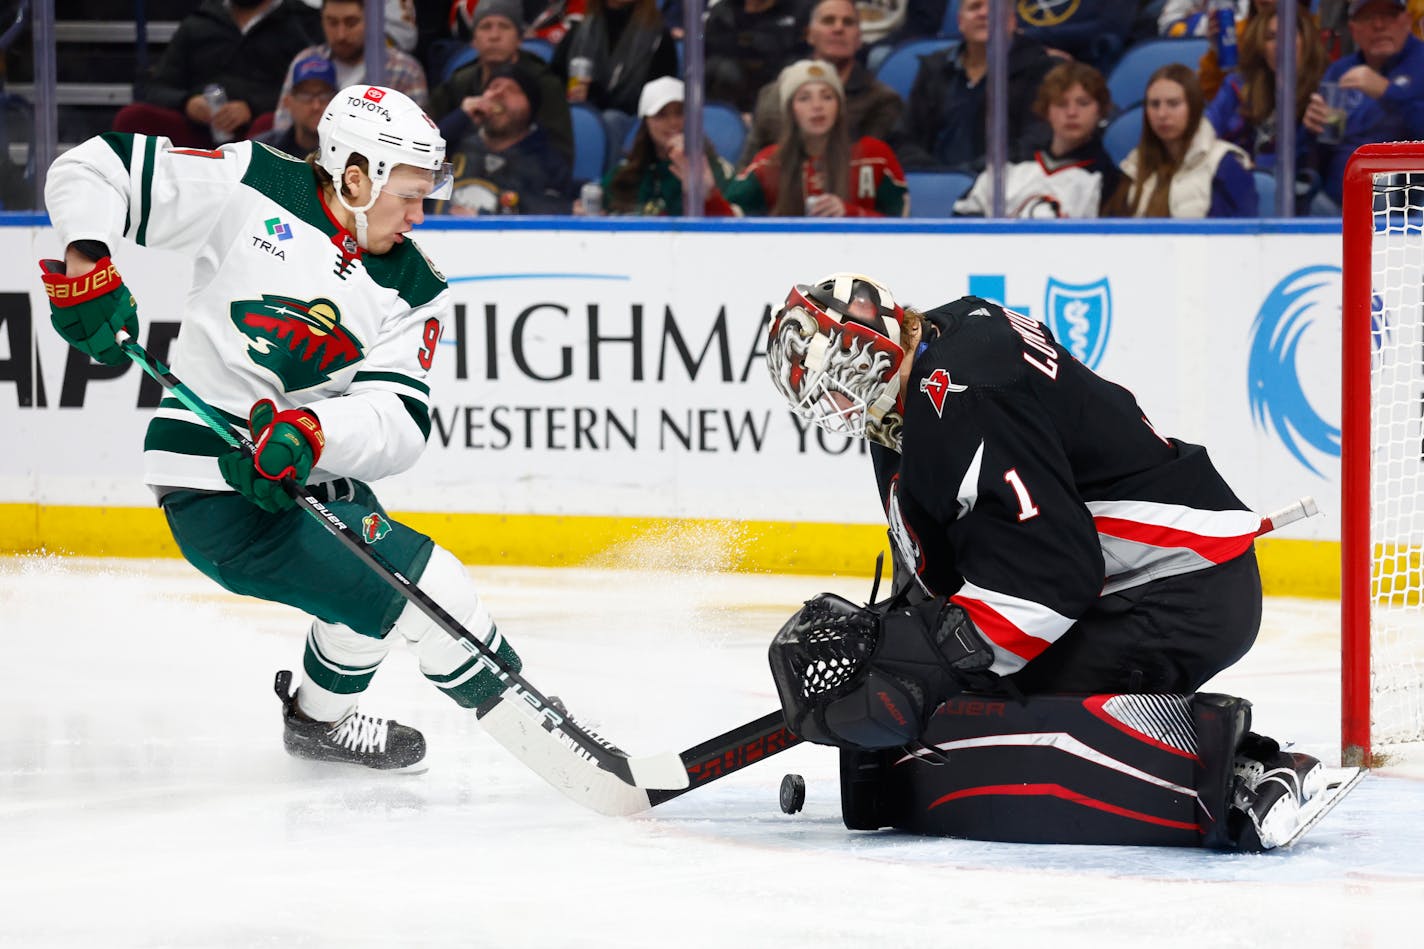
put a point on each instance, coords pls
(1336, 101)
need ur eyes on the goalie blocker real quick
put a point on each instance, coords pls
(1101, 769)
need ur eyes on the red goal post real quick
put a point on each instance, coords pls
(1382, 452)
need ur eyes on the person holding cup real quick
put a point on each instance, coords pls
(611, 53)
(1375, 94)
(815, 170)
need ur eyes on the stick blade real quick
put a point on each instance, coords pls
(577, 777)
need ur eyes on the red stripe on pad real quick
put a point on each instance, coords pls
(1062, 793)
(1001, 631)
(1215, 549)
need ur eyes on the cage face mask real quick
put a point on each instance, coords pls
(834, 355)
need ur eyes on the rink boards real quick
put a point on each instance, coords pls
(602, 382)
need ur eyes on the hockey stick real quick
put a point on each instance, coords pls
(521, 717)
(766, 736)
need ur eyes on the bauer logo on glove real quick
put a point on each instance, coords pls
(89, 310)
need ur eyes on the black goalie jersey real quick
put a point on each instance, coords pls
(1029, 486)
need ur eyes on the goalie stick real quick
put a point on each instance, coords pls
(548, 740)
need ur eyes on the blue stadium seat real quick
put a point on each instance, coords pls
(1266, 192)
(1127, 83)
(899, 68)
(949, 26)
(538, 47)
(461, 57)
(590, 142)
(933, 193)
(724, 128)
(1123, 132)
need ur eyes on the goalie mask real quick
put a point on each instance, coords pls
(834, 354)
(388, 129)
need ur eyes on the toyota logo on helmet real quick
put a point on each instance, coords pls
(834, 354)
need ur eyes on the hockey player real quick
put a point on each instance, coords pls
(1057, 543)
(313, 319)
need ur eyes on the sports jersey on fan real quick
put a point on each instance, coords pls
(283, 304)
(1030, 487)
(877, 185)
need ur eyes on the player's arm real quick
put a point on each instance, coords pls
(379, 426)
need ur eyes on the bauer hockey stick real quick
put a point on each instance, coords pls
(766, 736)
(578, 763)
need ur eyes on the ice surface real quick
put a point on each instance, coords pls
(145, 799)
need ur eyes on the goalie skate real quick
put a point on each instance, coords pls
(1336, 783)
(383, 744)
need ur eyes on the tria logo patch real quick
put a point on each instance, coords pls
(374, 527)
(302, 343)
(278, 228)
(937, 385)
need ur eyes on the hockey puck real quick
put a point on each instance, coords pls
(793, 793)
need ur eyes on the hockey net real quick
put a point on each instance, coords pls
(1382, 456)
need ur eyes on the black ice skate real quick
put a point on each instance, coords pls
(356, 739)
(1271, 788)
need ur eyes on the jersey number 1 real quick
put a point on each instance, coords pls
(1027, 508)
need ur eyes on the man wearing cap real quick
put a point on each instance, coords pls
(497, 26)
(1383, 86)
(343, 23)
(507, 165)
(313, 85)
(834, 35)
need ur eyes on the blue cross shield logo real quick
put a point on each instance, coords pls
(1080, 315)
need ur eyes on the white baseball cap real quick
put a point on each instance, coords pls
(658, 93)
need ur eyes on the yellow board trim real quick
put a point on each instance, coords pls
(1288, 567)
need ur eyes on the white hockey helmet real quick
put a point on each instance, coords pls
(388, 129)
(834, 354)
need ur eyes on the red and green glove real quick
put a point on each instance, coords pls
(89, 311)
(289, 443)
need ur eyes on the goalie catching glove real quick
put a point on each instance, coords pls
(288, 442)
(871, 677)
(89, 310)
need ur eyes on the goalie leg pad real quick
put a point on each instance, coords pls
(1056, 768)
(455, 667)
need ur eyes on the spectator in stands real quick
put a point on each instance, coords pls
(1179, 167)
(244, 46)
(313, 85)
(747, 42)
(1180, 18)
(943, 126)
(1244, 110)
(509, 165)
(815, 170)
(611, 53)
(1073, 176)
(1384, 81)
(343, 23)
(834, 35)
(1091, 31)
(497, 27)
(649, 181)
(1209, 71)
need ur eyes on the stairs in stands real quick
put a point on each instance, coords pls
(98, 62)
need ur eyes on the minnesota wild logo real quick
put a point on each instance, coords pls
(374, 527)
(301, 342)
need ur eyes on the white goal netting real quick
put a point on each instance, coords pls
(1397, 462)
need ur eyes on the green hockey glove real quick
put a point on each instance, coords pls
(289, 443)
(89, 311)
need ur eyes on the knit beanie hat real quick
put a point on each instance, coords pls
(511, 10)
(796, 75)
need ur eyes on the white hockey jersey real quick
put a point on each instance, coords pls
(284, 305)
(1038, 188)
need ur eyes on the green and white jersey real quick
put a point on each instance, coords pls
(283, 306)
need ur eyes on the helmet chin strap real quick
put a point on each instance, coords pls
(360, 213)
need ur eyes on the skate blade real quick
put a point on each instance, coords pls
(1338, 783)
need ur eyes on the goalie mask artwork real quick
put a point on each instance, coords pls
(834, 354)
